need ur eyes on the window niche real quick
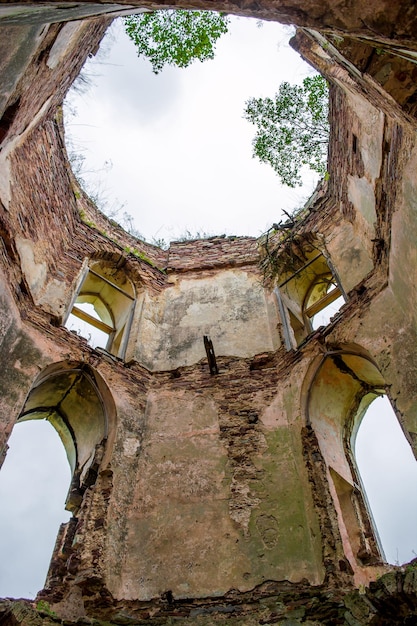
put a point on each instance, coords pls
(387, 472)
(64, 394)
(77, 403)
(308, 292)
(102, 310)
(341, 387)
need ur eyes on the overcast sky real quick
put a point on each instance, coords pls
(178, 144)
(389, 473)
(34, 482)
(181, 161)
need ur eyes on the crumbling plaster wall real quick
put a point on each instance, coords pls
(222, 496)
(228, 305)
(402, 262)
(378, 202)
(355, 171)
(17, 374)
(298, 552)
(215, 482)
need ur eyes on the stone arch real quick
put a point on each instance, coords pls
(339, 387)
(75, 399)
(307, 284)
(107, 287)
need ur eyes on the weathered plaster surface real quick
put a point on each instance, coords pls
(229, 306)
(352, 259)
(181, 522)
(228, 498)
(50, 294)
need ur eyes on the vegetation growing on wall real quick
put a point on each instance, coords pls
(283, 250)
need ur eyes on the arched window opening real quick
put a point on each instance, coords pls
(322, 302)
(340, 386)
(388, 472)
(86, 322)
(103, 308)
(75, 400)
(309, 293)
(34, 482)
(69, 398)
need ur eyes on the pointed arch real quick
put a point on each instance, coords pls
(75, 399)
(104, 304)
(388, 473)
(339, 386)
(307, 285)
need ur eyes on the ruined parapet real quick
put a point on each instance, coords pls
(390, 600)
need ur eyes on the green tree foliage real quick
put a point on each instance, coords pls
(175, 37)
(292, 129)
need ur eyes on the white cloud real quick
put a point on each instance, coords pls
(34, 481)
(178, 142)
(389, 473)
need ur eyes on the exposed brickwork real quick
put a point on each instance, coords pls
(38, 83)
(389, 601)
(211, 253)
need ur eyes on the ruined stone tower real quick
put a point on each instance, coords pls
(213, 479)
